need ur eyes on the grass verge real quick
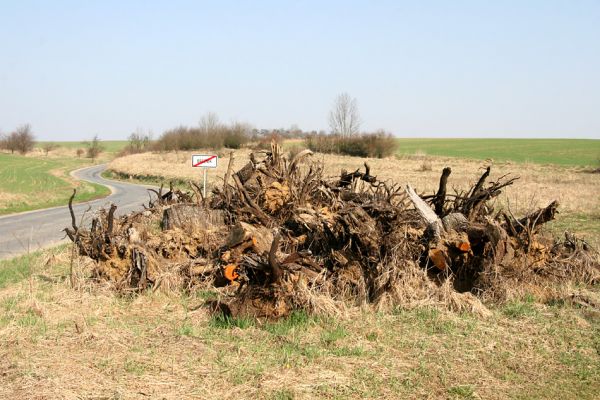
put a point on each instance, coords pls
(151, 180)
(85, 341)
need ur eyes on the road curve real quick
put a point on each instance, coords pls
(32, 230)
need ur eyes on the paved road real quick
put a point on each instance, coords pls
(29, 231)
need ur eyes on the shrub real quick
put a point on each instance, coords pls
(323, 143)
(379, 144)
(210, 134)
(426, 166)
(264, 142)
(236, 135)
(139, 142)
(94, 148)
(48, 147)
(21, 140)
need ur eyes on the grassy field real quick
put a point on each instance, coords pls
(110, 146)
(571, 152)
(29, 183)
(63, 337)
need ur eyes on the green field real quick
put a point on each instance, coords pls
(110, 146)
(568, 152)
(28, 183)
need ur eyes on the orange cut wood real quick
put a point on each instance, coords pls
(439, 259)
(464, 246)
(230, 273)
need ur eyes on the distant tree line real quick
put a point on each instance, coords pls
(209, 134)
(345, 136)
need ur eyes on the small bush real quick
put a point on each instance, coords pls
(322, 143)
(378, 145)
(264, 142)
(426, 166)
(235, 136)
(94, 148)
(139, 142)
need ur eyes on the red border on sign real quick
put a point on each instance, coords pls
(203, 161)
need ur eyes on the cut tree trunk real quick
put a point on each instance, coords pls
(191, 216)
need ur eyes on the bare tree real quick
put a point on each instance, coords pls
(10, 142)
(21, 140)
(48, 147)
(139, 142)
(80, 152)
(94, 148)
(344, 119)
(209, 123)
(3, 143)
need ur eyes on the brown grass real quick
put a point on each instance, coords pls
(83, 342)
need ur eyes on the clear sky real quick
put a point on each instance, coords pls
(417, 68)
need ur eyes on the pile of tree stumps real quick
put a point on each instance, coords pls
(278, 236)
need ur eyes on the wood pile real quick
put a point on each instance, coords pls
(279, 236)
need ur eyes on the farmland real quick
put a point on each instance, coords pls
(567, 152)
(109, 146)
(29, 183)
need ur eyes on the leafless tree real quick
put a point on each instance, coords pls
(48, 147)
(2, 141)
(139, 141)
(209, 123)
(80, 152)
(21, 140)
(344, 119)
(94, 148)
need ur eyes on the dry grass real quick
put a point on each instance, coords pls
(175, 165)
(576, 190)
(83, 342)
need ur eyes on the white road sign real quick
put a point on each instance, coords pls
(205, 160)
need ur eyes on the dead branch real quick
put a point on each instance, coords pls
(276, 272)
(73, 219)
(537, 218)
(440, 197)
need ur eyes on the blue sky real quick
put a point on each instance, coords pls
(417, 69)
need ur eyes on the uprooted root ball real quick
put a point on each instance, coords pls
(278, 236)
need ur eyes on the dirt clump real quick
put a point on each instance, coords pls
(279, 236)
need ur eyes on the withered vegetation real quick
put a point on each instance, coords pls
(278, 236)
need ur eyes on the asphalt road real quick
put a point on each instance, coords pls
(32, 230)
